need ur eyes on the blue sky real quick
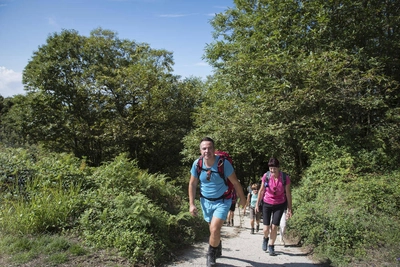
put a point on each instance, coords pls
(179, 26)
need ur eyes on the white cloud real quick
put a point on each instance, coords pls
(175, 15)
(10, 82)
(52, 21)
(201, 64)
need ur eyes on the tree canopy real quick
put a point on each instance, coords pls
(291, 75)
(98, 96)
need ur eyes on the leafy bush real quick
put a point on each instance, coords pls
(116, 205)
(138, 213)
(41, 191)
(347, 217)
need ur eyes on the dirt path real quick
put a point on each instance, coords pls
(242, 249)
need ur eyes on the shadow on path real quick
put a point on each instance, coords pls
(250, 263)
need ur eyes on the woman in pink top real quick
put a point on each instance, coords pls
(276, 197)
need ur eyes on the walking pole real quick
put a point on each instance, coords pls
(241, 217)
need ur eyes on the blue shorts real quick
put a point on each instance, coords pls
(218, 208)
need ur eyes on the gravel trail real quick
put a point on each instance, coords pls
(242, 249)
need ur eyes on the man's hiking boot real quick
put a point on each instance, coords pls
(211, 256)
(252, 231)
(258, 228)
(265, 243)
(219, 250)
(271, 250)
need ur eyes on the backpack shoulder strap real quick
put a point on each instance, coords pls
(199, 166)
(284, 178)
(221, 170)
(267, 176)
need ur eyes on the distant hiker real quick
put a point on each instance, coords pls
(252, 202)
(231, 212)
(276, 197)
(214, 199)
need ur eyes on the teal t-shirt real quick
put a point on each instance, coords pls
(253, 200)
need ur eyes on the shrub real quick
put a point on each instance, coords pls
(41, 191)
(346, 217)
(138, 213)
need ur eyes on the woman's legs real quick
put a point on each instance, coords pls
(271, 218)
(273, 234)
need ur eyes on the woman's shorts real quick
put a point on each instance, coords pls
(275, 210)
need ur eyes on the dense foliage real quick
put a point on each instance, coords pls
(345, 216)
(99, 96)
(116, 205)
(293, 74)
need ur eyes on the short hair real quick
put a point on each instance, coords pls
(273, 162)
(254, 186)
(208, 139)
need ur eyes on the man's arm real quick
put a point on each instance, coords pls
(192, 194)
(239, 189)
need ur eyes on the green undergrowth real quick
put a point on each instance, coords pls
(348, 218)
(51, 249)
(114, 206)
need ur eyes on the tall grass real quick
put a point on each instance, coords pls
(47, 210)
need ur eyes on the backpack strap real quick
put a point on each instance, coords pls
(199, 166)
(221, 170)
(220, 165)
(268, 175)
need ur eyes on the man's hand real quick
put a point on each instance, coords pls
(242, 203)
(193, 210)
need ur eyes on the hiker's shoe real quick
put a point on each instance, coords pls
(271, 250)
(211, 256)
(265, 243)
(210, 260)
(219, 250)
(258, 228)
(252, 231)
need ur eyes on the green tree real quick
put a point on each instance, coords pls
(291, 74)
(11, 122)
(98, 96)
